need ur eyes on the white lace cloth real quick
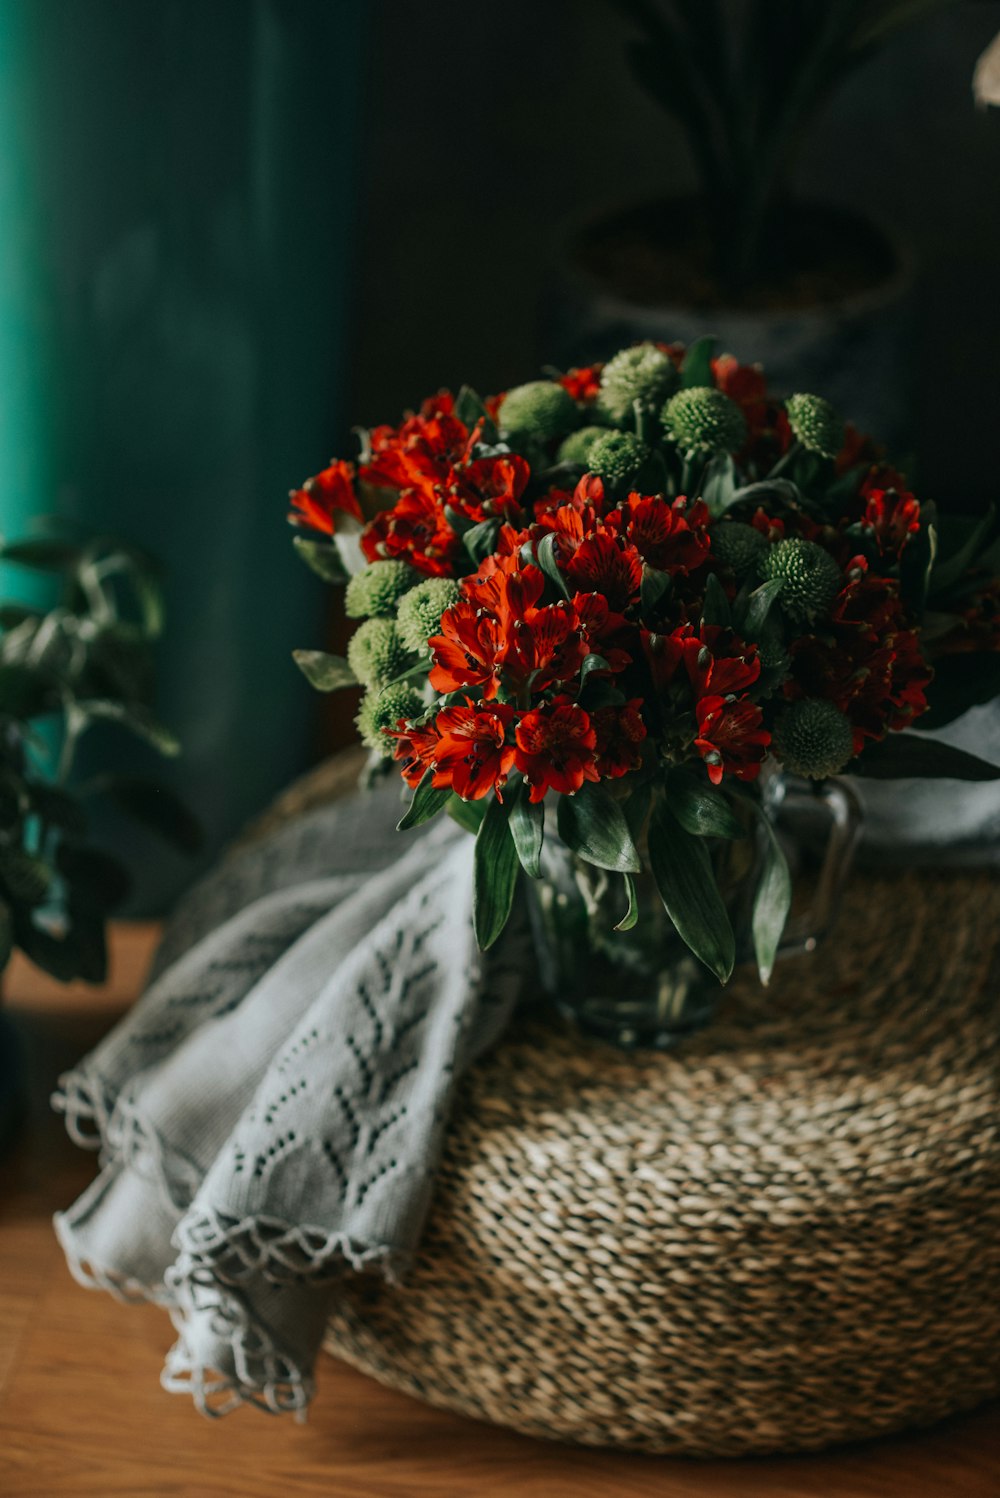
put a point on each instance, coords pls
(270, 1113)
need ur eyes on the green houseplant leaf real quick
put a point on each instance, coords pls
(527, 828)
(684, 877)
(496, 869)
(428, 800)
(327, 673)
(772, 901)
(903, 756)
(592, 825)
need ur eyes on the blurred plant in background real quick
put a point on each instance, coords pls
(64, 669)
(746, 82)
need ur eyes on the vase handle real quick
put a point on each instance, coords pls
(840, 801)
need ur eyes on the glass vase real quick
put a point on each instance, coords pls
(643, 987)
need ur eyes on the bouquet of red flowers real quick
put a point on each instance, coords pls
(595, 605)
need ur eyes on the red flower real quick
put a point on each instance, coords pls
(419, 451)
(730, 738)
(719, 662)
(891, 516)
(664, 653)
(416, 750)
(472, 754)
(490, 487)
(546, 645)
(602, 629)
(583, 384)
(620, 732)
(468, 650)
(605, 563)
(744, 384)
(320, 498)
(416, 530)
(769, 525)
(555, 748)
(670, 537)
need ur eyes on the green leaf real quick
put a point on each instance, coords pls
(592, 663)
(960, 682)
(327, 673)
(480, 541)
(527, 828)
(592, 824)
(715, 609)
(684, 877)
(25, 692)
(496, 868)
(903, 756)
(132, 717)
(758, 606)
(700, 808)
(772, 901)
(719, 484)
(156, 807)
(428, 800)
(468, 814)
(26, 878)
(57, 807)
(44, 554)
(546, 557)
(322, 558)
(652, 588)
(948, 570)
(697, 368)
(631, 915)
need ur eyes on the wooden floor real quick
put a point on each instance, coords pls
(82, 1412)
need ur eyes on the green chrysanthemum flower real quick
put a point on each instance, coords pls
(617, 457)
(576, 447)
(810, 577)
(704, 420)
(540, 409)
(382, 710)
(815, 424)
(813, 738)
(738, 546)
(376, 590)
(376, 653)
(420, 611)
(644, 374)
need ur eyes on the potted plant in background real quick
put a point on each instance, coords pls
(63, 670)
(821, 295)
(607, 616)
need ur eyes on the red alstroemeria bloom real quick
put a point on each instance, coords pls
(769, 526)
(664, 653)
(604, 630)
(321, 498)
(472, 753)
(730, 738)
(605, 563)
(671, 537)
(555, 748)
(416, 530)
(719, 663)
(489, 487)
(468, 651)
(420, 451)
(620, 732)
(546, 645)
(745, 384)
(891, 516)
(504, 588)
(416, 751)
(582, 384)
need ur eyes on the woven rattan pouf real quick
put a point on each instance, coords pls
(782, 1235)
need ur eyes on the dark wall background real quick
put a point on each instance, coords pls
(487, 128)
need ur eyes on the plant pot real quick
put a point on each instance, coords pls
(851, 342)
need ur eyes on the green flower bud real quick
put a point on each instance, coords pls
(576, 447)
(738, 546)
(703, 420)
(815, 424)
(810, 577)
(644, 374)
(382, 710)
(813, 738)
(540, 409)
(617, 457)
(376, 653)
(420, 611)
(377, 588)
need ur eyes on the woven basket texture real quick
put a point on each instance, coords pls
(782, 1235)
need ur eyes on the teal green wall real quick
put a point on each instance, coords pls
(176, 210)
